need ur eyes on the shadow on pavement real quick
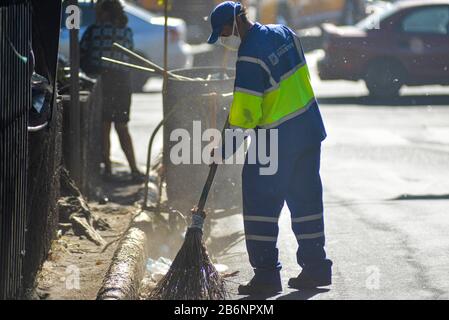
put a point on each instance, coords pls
(296, 295)
(120, 189)
(258, 297)
(220, 246)
(226, 212)
(303, 294)
(413, 100)
(421, 197)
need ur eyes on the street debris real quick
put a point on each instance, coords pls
(232, 274)
(221, 268)
(158, 268)
(74, 209)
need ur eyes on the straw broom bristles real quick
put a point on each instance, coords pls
(192, 275)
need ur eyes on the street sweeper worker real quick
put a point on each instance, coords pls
(273, 91)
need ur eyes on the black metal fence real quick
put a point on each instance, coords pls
(44, 161)
(30, 158)
(15, 100)
(44, 147)
(29, 162)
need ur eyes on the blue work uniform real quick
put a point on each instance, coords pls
(273, 92)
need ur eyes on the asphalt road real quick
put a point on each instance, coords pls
(385, 170)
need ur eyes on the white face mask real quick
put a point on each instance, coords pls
(232, 42)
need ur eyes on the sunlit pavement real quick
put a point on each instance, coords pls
(384, 245)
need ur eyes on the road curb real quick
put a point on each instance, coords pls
(127, 268)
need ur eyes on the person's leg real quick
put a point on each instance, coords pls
(305, 201)
(263, 200)
(126, 144)
(262, 205)
(107, 146)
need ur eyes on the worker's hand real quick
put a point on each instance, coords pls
(195, 210)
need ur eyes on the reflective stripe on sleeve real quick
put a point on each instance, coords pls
(261, 63)
(251, 92)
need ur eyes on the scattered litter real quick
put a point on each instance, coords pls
(158, 268)
(221, 267)
(230, 275)
(146, 286)
(165, 261)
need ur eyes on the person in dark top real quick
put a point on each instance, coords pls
(97, 41)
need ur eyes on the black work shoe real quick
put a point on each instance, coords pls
(305, 281)
(254, 288)
(137, 177)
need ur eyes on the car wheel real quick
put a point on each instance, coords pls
(384, 79)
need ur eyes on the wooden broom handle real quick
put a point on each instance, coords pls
(211, 176)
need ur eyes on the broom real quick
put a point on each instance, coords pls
(192, 275)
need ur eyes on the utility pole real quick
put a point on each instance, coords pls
(165, 43)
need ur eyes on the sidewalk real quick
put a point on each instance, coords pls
(75, 266)
(72, 258)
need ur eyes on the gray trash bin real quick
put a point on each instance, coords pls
(191, 101)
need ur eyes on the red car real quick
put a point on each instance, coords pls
(408, 44)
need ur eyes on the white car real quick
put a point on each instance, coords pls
(148, 31)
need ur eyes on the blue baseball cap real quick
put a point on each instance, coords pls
(220, 16)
